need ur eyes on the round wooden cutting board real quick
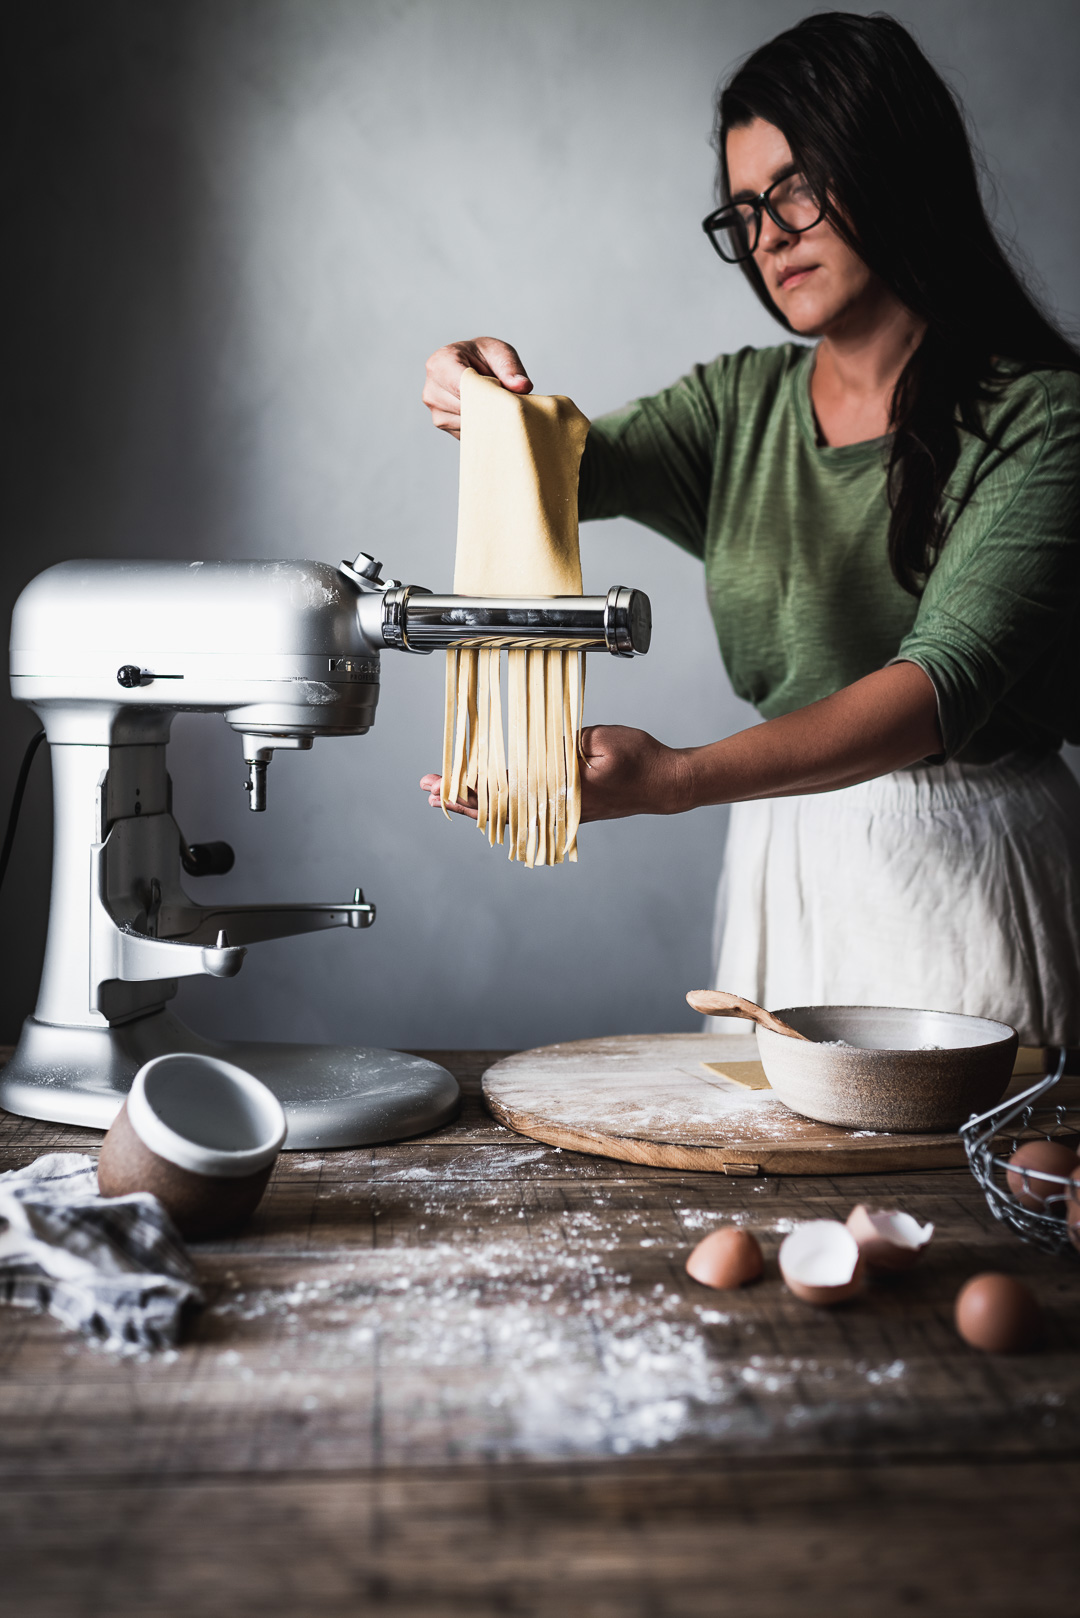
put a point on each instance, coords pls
(649, 1098)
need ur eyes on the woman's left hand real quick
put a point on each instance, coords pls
(628, 772)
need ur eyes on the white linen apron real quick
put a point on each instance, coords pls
(953, 887)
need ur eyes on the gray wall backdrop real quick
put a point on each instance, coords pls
(234, 230)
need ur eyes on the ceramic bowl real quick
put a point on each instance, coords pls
(202, 1135)
(911, 1072)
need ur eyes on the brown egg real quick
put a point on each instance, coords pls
(998, 1314)
(1072, 1209)
(1040, 1157)
(727, 1258)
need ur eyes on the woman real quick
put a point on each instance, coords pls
(890, 526)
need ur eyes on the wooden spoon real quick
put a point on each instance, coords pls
(717, 1003)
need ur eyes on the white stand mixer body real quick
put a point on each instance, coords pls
(106, 652)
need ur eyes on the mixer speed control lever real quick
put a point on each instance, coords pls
(130, 675)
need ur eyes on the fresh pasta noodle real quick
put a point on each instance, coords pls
(517, 536)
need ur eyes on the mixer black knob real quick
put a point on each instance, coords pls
(129, 676)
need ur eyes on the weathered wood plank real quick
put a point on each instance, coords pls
(643, 1540)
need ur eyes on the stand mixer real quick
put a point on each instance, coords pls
(106, 653)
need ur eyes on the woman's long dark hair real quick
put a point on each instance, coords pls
(877, 132)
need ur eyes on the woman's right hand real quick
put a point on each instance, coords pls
(488, 356)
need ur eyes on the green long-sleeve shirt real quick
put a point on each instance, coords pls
(793, 537)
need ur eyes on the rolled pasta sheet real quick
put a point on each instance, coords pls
(517, 536)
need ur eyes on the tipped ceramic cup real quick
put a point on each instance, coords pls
(200, 1134)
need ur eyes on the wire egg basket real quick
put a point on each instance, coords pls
(990, 1140)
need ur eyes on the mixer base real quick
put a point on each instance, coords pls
(333, 1095)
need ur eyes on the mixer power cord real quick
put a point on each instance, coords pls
(16, 801)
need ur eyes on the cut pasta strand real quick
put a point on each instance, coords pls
(496, 750)
(575, 701)
(448, 726)
(483, 732)
(466, 705)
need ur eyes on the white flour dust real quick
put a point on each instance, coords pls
(546, 1346)
(509, 1158)
(711, 1218)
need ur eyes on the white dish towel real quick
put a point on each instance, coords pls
(113, 1268)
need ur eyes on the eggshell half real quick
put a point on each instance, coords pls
(726, 1258)
(887, 1238)
(998, 1314)
(821, 1262)
(1038, 1158)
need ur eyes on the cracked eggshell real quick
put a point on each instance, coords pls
(887, 1238)
(726, 1258)
(821, 1263)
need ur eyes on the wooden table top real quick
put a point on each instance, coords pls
(468, 1374)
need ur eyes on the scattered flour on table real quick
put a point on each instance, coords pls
(508, 1158)
(712, 1218)
(547, 1349)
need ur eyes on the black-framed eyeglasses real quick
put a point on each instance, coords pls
(790, 202)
